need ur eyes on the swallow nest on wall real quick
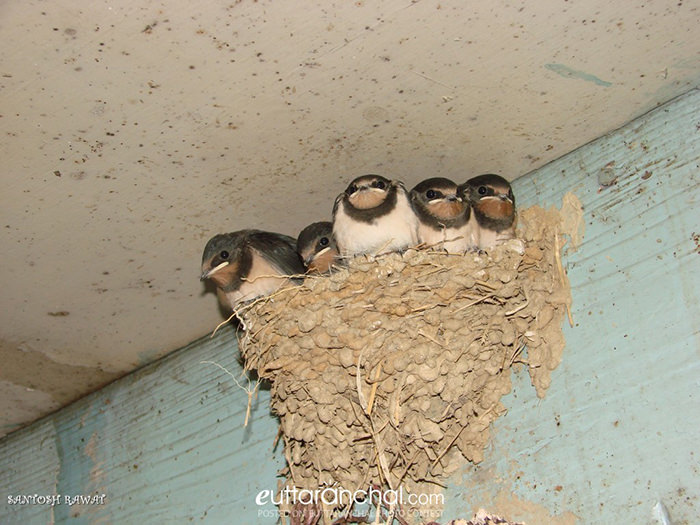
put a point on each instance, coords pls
(383, 370)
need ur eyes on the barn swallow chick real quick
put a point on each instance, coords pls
(373, 215)
(247, 264)
(444, 217)
(493, 205)
(317, 247)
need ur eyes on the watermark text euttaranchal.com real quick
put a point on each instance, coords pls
(340, 496)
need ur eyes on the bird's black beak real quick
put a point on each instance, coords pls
(504, 197)
(211, 272)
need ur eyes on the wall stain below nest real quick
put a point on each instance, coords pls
(503, 499)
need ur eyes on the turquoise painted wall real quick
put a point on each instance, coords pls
(619, 429)
(617, 432)
(164, 445)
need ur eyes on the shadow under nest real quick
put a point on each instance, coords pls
(385, 371)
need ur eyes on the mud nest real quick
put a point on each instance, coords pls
(383, 370)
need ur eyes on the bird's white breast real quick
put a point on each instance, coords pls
(394, 231)
(454, 240)
(490, 238)
(260, 281)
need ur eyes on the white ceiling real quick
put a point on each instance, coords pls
(134, 131)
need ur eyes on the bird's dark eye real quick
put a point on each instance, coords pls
(352, 189)
(430, 194)
(379, 184)
(323, 241)
(483, 190)
(224, 254)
